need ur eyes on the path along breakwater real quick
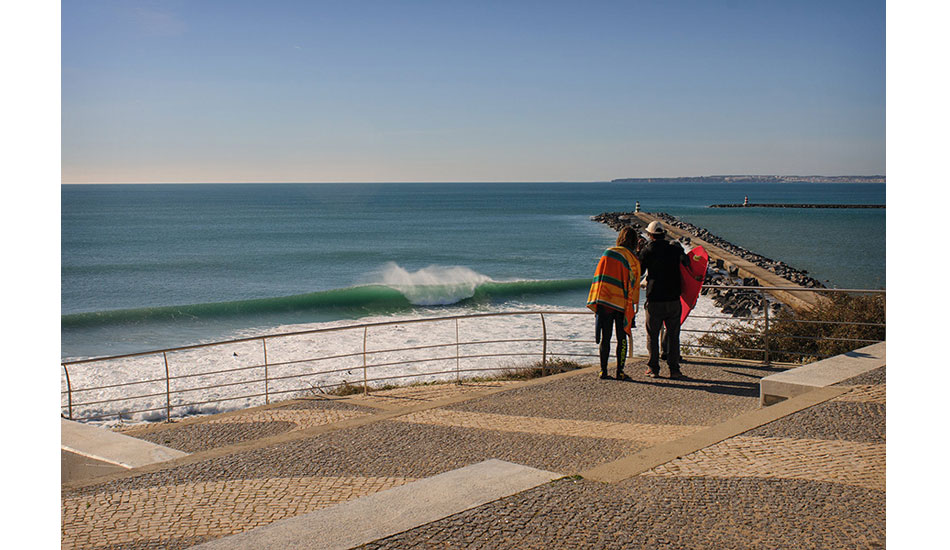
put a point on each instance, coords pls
(738, 303)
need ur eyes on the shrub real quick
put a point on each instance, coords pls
(801, 337)
(346, 389)
(537, 370)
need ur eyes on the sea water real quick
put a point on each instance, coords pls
(147, 267)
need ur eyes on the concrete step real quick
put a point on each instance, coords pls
(828, 372)
(89, 451)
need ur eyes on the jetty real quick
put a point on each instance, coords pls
(772, 205)
(796, 300)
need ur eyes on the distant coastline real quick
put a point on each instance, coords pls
(757, 179)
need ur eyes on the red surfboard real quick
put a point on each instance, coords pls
(692, 279)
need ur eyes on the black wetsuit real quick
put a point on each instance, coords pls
(608, 320)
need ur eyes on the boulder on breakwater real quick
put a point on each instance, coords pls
(737, 302)
(618, 220)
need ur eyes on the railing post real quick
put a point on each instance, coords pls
(168, 393)
(767, 358)
(266, 379)
(365, 382)
(458, 372)
(69, 392)
(544, 347)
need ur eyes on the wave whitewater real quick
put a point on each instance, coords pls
(362, 300)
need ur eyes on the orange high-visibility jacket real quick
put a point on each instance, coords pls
(616, 283)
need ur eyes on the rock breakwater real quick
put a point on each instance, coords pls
(780, 268)
(735, 302)
(767, 205)
(618, 220)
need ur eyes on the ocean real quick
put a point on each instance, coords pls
(154, 266)
(150, 267)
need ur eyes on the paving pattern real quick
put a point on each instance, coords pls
(647, 433)
(222, 430)
(713, 393)
(414, 395)
(848, 462)
(207, 509)
(813, 479)
(808, 480)
(663, 513)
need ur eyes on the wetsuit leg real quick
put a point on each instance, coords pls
(605, 322)
(621, 345)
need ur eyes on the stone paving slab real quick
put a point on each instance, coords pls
(106, 446)
(819, 374)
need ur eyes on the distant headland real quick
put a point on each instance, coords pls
(757, 179)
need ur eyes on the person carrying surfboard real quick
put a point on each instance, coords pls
(615, 298)
(661, 261)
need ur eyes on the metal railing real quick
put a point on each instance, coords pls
(267, 377)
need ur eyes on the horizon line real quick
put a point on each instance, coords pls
(456, 181)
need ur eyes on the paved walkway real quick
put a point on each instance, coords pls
(811, 479)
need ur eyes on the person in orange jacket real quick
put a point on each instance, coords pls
(615, 297)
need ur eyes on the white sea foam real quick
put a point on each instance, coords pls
(231, 376)
(432, 285)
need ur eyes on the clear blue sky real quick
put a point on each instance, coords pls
(217, 91)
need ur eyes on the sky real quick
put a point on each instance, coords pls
(387, 91)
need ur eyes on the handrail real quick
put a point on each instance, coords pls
(69, 389)
(276, 383)
(325, 329)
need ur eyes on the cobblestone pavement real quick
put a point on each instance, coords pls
(204, 510)
(409, 395)
(183, 505)
(222, 430)
(647, 433)
(666, 513)
(808, 480)
(715, 392)
(211, 432)
(795, 482)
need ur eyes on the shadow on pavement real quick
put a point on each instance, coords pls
(724, 387)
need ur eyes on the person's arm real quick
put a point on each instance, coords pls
(643, 255)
